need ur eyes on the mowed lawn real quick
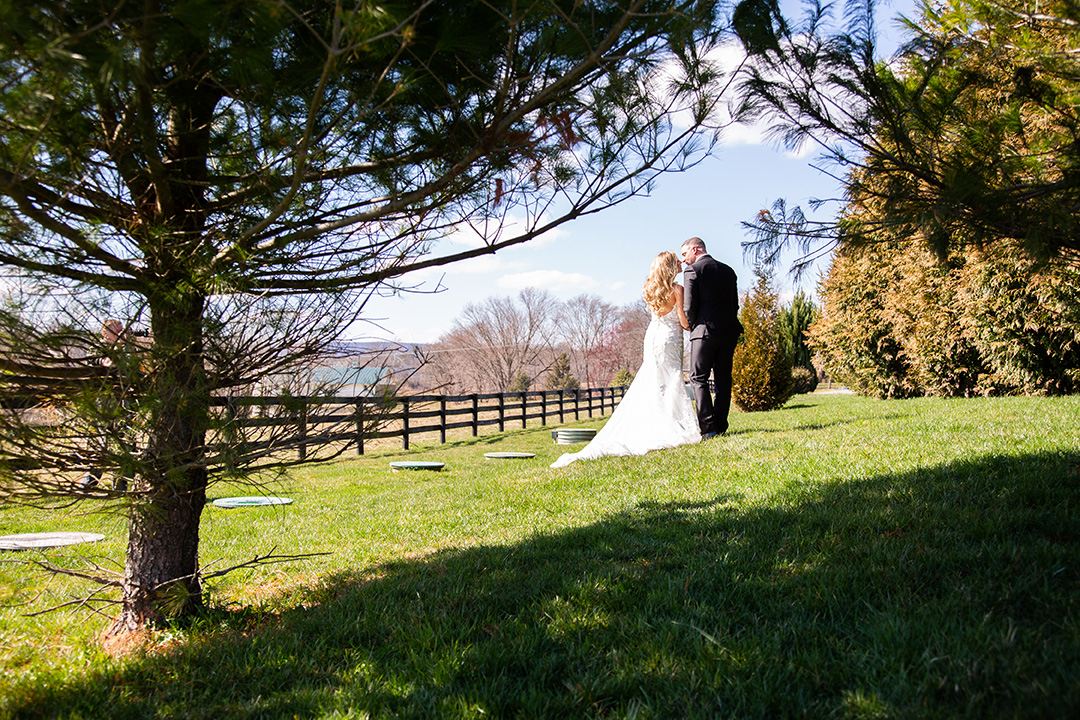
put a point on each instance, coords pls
(841, 557)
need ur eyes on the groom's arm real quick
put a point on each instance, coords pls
(689, 278)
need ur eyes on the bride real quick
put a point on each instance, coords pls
(656, 411)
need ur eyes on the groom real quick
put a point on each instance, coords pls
(711, 302)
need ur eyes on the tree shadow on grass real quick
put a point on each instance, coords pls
(952, 591)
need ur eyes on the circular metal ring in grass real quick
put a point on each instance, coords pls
(250, 501)
(417, 465)
(569, 436)
(508, 455)
(29, 541)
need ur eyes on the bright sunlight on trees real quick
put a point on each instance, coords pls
(895, 323)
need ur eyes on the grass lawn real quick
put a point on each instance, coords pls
(841, 557)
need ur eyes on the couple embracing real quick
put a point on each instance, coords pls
(656, 412)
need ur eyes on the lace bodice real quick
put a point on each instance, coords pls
(664, 341)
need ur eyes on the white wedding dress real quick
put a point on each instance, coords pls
(656, 411)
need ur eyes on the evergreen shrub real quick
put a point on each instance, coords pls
(761, 370)
(559, 376)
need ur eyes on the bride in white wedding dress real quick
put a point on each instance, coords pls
(656, 411)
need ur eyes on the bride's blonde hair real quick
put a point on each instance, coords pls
(662, 274)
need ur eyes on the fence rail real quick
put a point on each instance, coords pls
(321, 419)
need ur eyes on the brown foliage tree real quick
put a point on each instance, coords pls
(966, 139)
(896, 323)
(583, 323)
(620, 348)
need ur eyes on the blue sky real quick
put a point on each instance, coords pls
(608, 254)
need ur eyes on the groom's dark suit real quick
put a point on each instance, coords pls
(711, 302)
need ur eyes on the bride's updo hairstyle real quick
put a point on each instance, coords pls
(662, 274)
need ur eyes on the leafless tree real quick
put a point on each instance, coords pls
(496, 339)
(584, 322)
(621, 346)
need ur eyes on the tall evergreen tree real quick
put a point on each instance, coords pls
(795, 319)
(895, 323)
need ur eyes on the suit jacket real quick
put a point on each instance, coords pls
(711, 298)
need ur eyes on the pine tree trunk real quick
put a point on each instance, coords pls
(161, 570)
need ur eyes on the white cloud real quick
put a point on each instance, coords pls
(554, 280)
(727, 59)
(547, 238)
(481, 265)
(511, 225)
(465, 236)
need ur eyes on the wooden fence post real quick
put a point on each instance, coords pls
(502, 411)
(475, 414)
(442, 419)
(405, 423)
(524, 410)
(359, 426)
(543, 408)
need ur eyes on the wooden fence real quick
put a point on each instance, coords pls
(349, 419)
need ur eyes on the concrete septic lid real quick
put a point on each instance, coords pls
(507, 455)
(28, 541)
(250, 501)
(416, 465)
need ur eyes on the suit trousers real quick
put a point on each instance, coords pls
(711, 355)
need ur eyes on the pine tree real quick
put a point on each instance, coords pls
(238, 178)
(560, 377)
(520, 383)
(795, 320)
(761, 370)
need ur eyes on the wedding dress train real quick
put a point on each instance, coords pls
(656, 411)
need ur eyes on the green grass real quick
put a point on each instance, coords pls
(841, 557)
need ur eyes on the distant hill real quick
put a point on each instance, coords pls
(364, 347)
